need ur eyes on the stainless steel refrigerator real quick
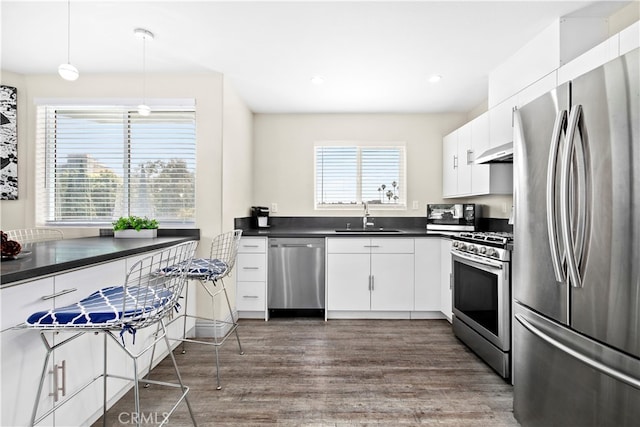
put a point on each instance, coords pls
(576, 262)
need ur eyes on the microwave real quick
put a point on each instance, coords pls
(453, 217)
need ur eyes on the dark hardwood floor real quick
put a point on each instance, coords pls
(305, 372)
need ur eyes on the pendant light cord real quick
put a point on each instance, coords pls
(144, 70)
(68, 31)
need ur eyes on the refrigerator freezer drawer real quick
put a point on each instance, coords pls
(563, 378)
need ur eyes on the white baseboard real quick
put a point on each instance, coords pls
(211, 329)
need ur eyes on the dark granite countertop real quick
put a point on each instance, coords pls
(53, 257)
(325, 232)
(327, 226)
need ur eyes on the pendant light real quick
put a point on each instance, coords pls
(68, 71)
(141, 33)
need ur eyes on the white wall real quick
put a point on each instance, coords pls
(237, 157)
(283, 161)
(205, 88)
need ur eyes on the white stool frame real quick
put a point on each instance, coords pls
(224, 247)
(32, 235)
(142, 273)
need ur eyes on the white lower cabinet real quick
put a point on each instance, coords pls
(428, 274)
(370, 274)
(251, 277)
(446, 300)
(81, 360)
(23, 353)
(73, 364)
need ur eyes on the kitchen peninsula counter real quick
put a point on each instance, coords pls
(59, 256)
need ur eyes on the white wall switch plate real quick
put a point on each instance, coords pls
(416, 204)
(274, 207)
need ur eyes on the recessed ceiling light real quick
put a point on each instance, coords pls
(317, 80)
(435, 78)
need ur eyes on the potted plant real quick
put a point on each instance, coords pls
(135, 226)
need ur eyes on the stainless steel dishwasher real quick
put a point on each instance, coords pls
(296, 277)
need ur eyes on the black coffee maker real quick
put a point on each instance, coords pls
(260, 216)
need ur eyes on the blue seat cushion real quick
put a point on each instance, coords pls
(200, 268)
(105, 307)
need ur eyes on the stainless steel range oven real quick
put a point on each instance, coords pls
(482, 296)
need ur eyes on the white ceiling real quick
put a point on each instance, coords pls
(375, 56)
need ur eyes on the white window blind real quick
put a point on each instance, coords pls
(97, 163)
(351, 173)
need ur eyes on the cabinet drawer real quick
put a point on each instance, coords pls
(392, 246)
(252, 245)
(252, 267)
(349, 246)
(251, 296)
(20, 301)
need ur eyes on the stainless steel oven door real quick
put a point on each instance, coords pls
(481, 296)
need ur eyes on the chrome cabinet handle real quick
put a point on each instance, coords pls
(250, 246)
(57, 294)
(599, 366)
(373, 283)
(250, 296)
(455, 162)
(56, 383)
(469, 157)
(552, 167)
(250, 268)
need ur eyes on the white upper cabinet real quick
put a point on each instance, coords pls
(460, 175)
(559, 43)
(450, 165)
(465, 159)
(630, 38)
(457, 162)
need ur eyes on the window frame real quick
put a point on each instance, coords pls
(360, 145)
(45, 197)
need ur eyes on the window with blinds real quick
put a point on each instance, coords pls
(97, 163)
(348, 174)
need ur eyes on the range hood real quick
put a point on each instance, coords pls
(500, 154)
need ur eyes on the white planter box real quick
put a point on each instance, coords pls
(133, 234)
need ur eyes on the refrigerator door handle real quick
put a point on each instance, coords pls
(552, 167)
(599, 366)
(566, 223)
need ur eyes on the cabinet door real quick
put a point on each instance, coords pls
(450, 165)
(349, 245)
(501, 122)
(392, 245)
(348, 282)
(480, 174)
(393, 282)
(252, 245)
(252, 267)
(23, 353)
(427, 274)
(251, 296)
(446, 294)
(465, 160)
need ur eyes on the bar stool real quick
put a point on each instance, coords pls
(210, 272)
(152, 288)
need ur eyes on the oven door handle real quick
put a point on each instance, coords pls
(484, 265)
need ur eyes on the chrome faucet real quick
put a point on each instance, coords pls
(367, 221)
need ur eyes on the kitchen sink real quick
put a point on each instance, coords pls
(367, 230)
